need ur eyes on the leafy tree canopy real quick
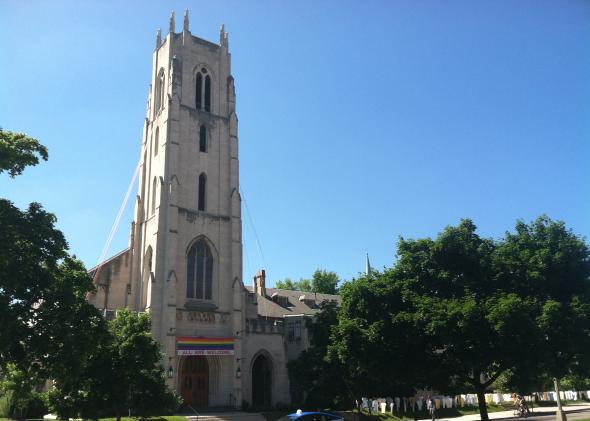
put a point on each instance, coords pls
(48, 328)
(123, 373)
(17, 151)
(461, 309)
(375, 340)
(323, 281)
(550, 265)
(301, 285)
(42, 295)
(317, 382)
(18, 386)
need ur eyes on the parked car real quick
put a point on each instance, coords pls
(311, 416)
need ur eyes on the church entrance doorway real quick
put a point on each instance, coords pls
(261, 382)
(194, 381)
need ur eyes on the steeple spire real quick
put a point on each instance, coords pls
(368, 266)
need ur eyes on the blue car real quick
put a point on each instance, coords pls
(311, 416)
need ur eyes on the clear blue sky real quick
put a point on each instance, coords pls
(359, 121)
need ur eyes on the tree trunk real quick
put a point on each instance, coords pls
(358, 408)
(481, 402)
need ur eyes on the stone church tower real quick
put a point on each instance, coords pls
(224, 344)
(187, 252)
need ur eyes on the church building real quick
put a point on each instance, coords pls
(225, 344)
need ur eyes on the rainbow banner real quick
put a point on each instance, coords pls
(188, 345)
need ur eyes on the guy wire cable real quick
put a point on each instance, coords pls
(115, 226)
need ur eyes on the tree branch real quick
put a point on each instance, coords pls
(495, 376)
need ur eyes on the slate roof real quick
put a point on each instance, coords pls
(108, 261)
(267, 307)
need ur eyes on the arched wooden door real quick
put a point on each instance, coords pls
(261, 382)
(195, 381)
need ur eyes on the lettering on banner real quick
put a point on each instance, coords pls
(205, 352)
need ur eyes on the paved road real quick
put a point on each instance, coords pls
(572, 415)
(573, 412)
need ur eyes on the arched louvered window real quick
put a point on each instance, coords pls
(156, 141)
(207, 93)
(202, 192)
(159, 94)
(154, 186)
(203, 139)
(162, 90)
(199, 91)
(199, 271)
(145, 184)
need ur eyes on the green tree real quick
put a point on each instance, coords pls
(315, 380)
(301, 285)
(286, 284)
(18, 386)
(42, 288)
(48, 328)
(136, 367)
(124, 373)
(475, 328)
(17, 151)
(30, 251)
(550, 264)
(324, 282)
(575, 382)
(376, 342)
(461, 309)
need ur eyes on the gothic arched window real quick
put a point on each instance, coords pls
(208, 93)
(199, 90)
(203, 139)
(199, 271)
(202, 192)
(156, 139)
(154, 185)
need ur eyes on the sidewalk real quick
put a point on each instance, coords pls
(537, 410)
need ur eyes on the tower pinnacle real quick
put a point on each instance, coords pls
(172, 23)
(158, 38)
(185, 25)
(223, 38)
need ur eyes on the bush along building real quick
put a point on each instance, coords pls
(225, 344)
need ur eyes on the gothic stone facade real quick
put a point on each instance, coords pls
(224, 343)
